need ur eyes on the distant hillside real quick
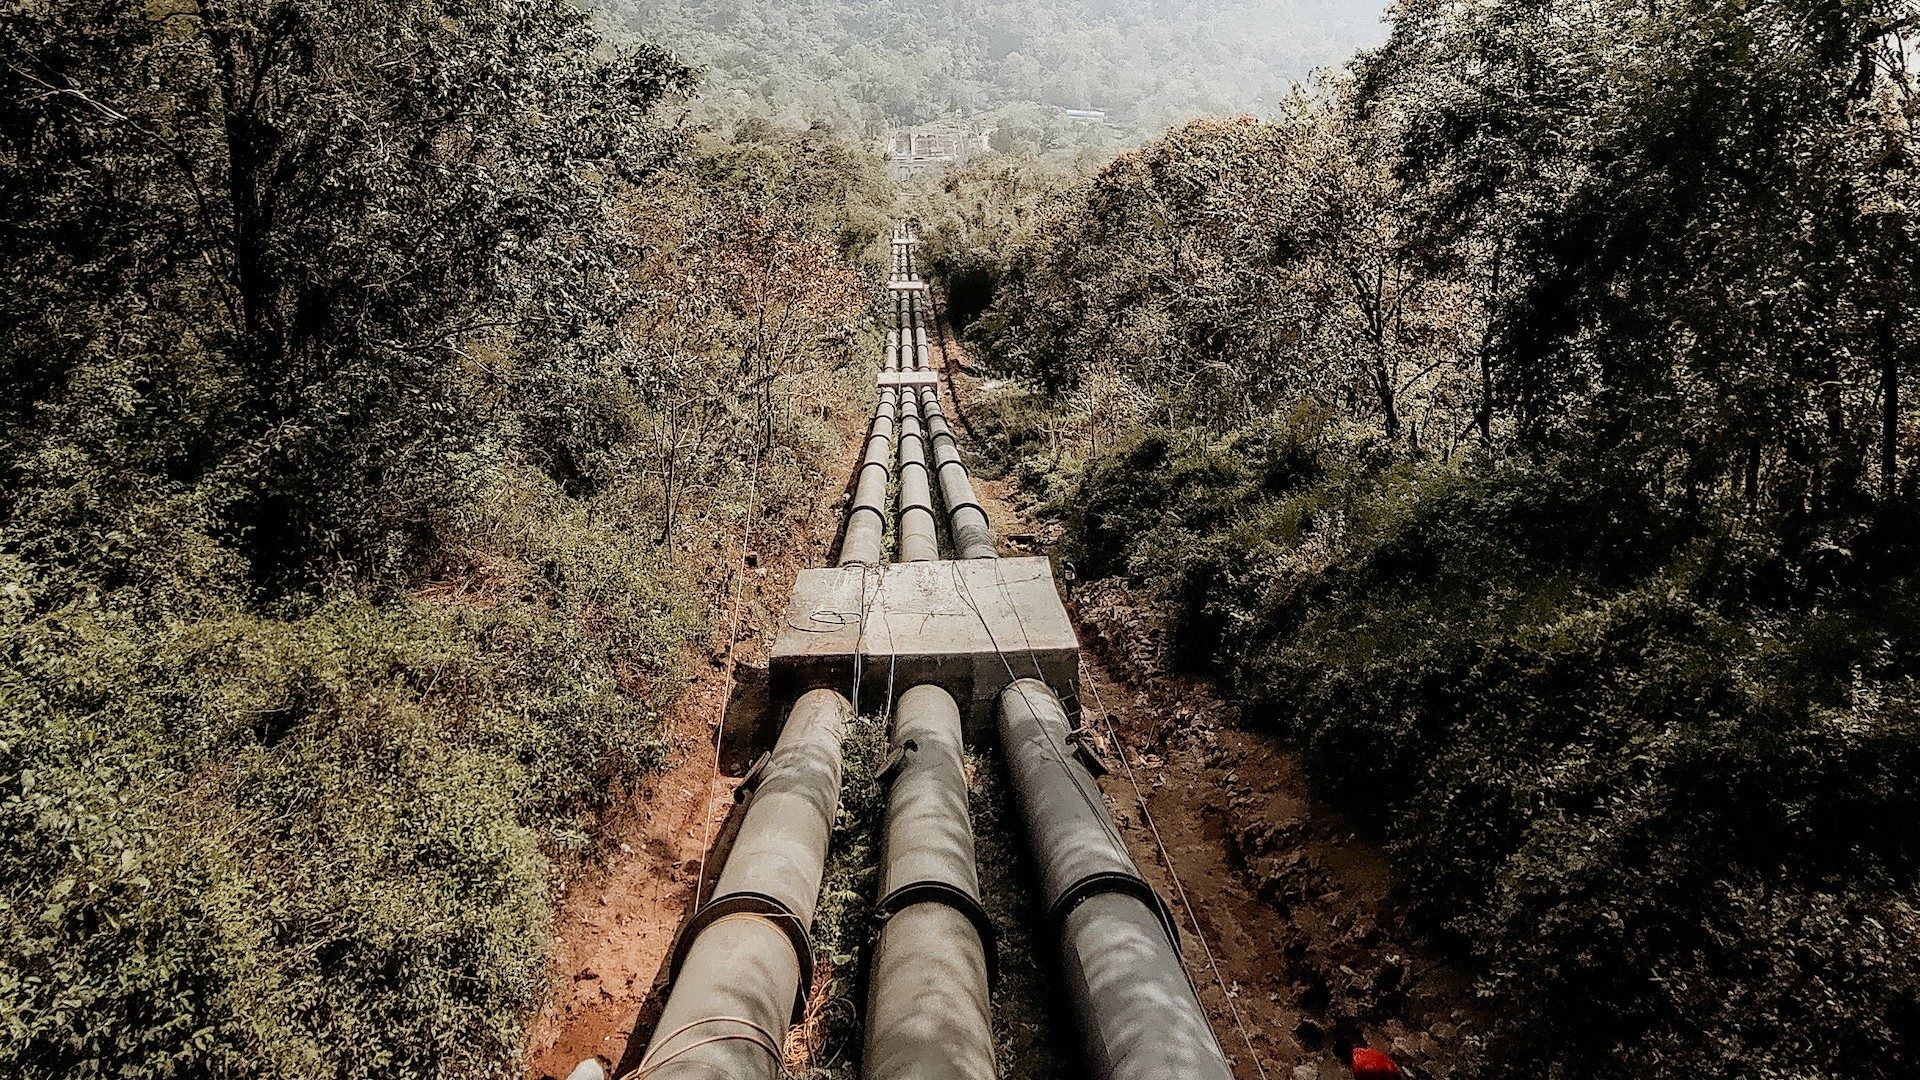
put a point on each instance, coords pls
(1146, 63)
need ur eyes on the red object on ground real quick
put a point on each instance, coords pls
(1370, 1064)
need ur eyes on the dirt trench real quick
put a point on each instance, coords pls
(1291, 921)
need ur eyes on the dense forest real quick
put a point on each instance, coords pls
(1147, 63)
(1523, 424)
(378, 380)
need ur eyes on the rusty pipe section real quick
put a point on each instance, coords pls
(919, 527)
(744, 961)
(927, 1004)
(966, 519)
(866, 522)
(1119, 950)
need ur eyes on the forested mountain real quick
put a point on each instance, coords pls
(1146, 63)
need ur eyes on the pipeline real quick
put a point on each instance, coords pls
(927, 1004)
(902, 360)
(744, 961)
(867, 515)
(1119, 950)
(919, 528)
(966, 519)
(921, 355)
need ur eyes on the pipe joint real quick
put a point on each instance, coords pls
(950, 895)
(759, 906)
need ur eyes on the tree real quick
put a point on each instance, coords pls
(291, 227)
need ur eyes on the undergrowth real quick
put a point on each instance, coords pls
(1654, 768)
(844, 925)
(317, 839)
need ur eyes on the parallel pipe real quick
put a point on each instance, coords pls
(918, 326)
(967, 521)
(866, 522)
(741, 966)
(927, 1004)
(919, 527)
(1119, 951)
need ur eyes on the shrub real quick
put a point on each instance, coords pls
(1671, 820)
(315, 841)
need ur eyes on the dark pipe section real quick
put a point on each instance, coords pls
(919, 527)
(927, 1003)
(743, 962)
(966, 519)
(866, 521)
(1119, 951)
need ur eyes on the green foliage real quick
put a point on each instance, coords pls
(975, 215)
(256, 249)
(1693, 226)
(1229, 269)
(1525, 426)
(347, 487)
(1667, 814)
(844, 927)
(313, 843)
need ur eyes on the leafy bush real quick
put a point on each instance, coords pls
(314, 842)
(1672, 822)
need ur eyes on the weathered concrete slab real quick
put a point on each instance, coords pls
(968, 627)
(909, 378)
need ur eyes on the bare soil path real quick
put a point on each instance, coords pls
(616, 923)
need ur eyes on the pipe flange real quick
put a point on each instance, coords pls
(1115, 881)
(971, 505)
(766, 907)
(957, 898)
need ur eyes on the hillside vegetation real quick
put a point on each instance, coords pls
(1147, 63)
(1524, 426)
(378, 380)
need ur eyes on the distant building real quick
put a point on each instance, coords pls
(1087, 116)
(917, 150)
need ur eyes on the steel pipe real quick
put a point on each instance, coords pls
(865, 530)
(967, 522)
(928, 842)
(972, 534)
(927, 1003)
(1119, 950)
(927, 1011)
(1138, 1015)
(919, 527)
(742, 965)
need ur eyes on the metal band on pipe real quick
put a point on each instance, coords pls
(743, 961)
